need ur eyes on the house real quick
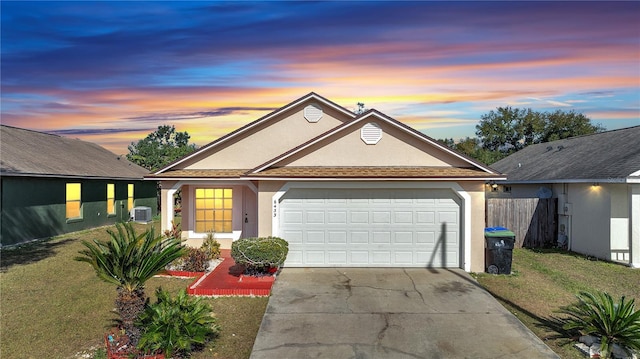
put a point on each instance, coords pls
(52, 185)
(343, 189)
(596, 179)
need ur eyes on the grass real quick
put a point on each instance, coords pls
(55, 307)
(544, 280)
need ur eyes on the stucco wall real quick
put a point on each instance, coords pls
(590, 219)
(267, 140)
(476, 191)
(395, 148)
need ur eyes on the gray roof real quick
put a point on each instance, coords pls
(31, 153)
(611, 156)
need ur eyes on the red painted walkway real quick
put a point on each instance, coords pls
(225, 280)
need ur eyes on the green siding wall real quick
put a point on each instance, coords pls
(34, 208)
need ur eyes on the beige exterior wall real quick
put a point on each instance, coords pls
(396, 148)
(267, 140)
(266, 191)
(476, 191)
(590, 219)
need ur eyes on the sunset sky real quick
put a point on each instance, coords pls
(112, 72)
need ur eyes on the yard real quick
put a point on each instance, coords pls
(543, 281)
(55, 307)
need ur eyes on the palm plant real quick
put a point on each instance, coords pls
(128, 260)
(176, 325)
(598, 315)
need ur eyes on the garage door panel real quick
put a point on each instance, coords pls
(359, 217)
(315, 217)
(401, 228)
(424, 217)
(337, 217)
(314, 237)
(361, 237)
(403, 217)
(337, 237)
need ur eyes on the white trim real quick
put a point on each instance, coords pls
(359, 120)
(455, 187)
(259, 122)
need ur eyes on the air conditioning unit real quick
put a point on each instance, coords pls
(141, 214)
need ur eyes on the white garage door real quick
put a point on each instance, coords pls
(371, 228)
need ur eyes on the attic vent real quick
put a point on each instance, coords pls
(371, 133)
(313, 113)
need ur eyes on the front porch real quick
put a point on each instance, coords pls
(226, 208)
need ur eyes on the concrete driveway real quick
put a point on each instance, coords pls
(388, 313)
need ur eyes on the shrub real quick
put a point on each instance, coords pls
(175, 232)
(258, 255)
(598, 315)
(195, 260)
(211, 247)
(177, 325)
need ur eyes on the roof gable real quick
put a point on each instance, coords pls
(31, 153)
(612, 156)
(305, 108)
(350, 145)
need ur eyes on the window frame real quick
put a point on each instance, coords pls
(77, 200)
(111, 201)
(130, 196)
(215, 200)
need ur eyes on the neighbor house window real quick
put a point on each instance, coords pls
(73, 202)
(213, 210)
(130, 196)
(111, 198)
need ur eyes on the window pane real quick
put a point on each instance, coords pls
(111, 208)
(199, 193)
(73, 209)
(73, 202)
(213, 209)
(130, 196)
(73, 191)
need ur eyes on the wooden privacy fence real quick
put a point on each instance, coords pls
(533, 220)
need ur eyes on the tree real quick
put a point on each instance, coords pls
(160, 148)
(508, 130)
(472, 148)
(128, 260)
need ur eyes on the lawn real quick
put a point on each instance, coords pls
(543, 281)
(55, 307)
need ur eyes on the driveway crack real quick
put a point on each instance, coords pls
(346, 284)
(415, 288)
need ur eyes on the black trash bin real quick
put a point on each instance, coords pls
(499, 243)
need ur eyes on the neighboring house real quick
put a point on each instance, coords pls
(596, 179)
(343, 190)
(52, 185)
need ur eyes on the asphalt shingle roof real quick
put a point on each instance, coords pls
(31, 153)
(333, 172)
(607, 156)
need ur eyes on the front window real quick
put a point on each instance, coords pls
(130, 196)
(214, 210)
(73, 202)
(111, 198)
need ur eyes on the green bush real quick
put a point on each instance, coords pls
(195, 260)
(258, 255)
(211, 247)
(598, 315)
(177, 325)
